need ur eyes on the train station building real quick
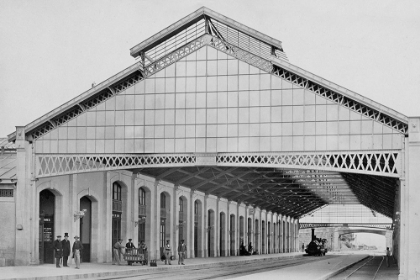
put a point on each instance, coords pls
(211, 136)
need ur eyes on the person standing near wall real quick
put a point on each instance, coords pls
(182, 250)
(388, 256)
(117, 252)
(66, 249)
(167, 252)
(77, 248)
(58, 251)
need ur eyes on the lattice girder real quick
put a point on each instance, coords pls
(384, 163)
(366, 225)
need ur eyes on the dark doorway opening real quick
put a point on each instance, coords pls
(46, 226)
(116, 213)
(86, 227)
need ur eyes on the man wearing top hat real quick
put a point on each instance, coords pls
(66, 249)
(77, 251)
(58, 250)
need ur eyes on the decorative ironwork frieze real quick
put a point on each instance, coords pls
(385, 163)
(367, 225)
(53, 165)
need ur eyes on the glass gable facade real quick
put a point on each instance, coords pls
(211, 102)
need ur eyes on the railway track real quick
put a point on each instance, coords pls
(366, 270)
(219, 272)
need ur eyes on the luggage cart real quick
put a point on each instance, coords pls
(136, 255)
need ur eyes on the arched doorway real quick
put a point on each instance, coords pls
(268, 238)
(210, 233)
(197, 228)
(144, 215)
(263, 237)
(241, 232)
(46, 226)
(222, 234)
(249, 232)
(274, 238)
(165, 219)
(232, 234)
(86, 227)
(182, 232)
(257, 233)
(284, 237)
(117, 210)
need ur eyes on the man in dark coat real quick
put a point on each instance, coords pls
(129, 244)
(66, 249)
(58, 250)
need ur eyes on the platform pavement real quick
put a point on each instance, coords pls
(90, 270)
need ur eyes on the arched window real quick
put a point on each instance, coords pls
(181, 205)
(196, 207)
(162, 200)
(116, 191)
(142, 197)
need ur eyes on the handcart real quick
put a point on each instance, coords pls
(136, 255)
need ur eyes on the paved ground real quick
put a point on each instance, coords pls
(288, 266)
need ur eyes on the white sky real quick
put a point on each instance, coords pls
(371, 239)
(51, 51)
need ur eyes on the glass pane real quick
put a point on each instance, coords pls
(191, 68)
(254, 82)
(222, 67)
(212, 100)
(190, 116)
(180, 84)
(191, 85)
(254, 115)
(180, 100)
(298, 113)
(243, 82)
(222, 116)
(287, 114)
(222, 83)
(287, 97)
(190, 131)
(276, 114)
(232, 130)
(201, 116)
(232, 115)
(221, 130)
(170, 84)
(201, 84)
(211, 130)
(244, 113)
(200, 131)
(211, 68)
(150, 85)
(243, 130)
(179, 145)
(265, 82)
(181, 129)
(212, 116)
(201, 68)
(233, 67)
(180, 116)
